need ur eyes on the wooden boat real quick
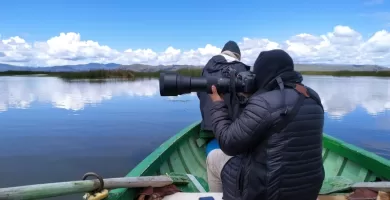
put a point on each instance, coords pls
(184, 153)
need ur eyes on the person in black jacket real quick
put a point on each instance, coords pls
(230, 56)
(273, 150)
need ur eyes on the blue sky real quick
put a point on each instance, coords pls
(186, 24)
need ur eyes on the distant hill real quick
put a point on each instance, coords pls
(150, 68)
(5, 67)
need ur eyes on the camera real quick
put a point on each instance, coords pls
(172, 84)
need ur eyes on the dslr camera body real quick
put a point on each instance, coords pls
(243, 82)
(173, 84)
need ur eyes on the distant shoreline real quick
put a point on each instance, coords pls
(128, 74)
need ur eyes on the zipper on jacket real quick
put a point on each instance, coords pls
(242, 171)
(240, 181)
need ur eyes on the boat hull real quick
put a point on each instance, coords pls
(184, 153)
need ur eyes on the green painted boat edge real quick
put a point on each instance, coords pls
(145, 164)
(378, 165)
(371, 161)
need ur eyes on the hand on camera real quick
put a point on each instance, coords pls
(214, 95)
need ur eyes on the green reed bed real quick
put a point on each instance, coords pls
(349, 73)
(128, 74)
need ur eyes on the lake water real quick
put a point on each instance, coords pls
(53, 130)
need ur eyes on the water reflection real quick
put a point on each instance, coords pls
(340, 95)
(21, 92)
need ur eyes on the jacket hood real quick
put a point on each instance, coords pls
(220, 61)
(271, 64)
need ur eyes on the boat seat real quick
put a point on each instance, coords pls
(218, 196)
(192, 196)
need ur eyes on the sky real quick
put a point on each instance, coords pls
(47, 33)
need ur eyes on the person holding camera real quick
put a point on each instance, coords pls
(229, 58)
(273, 149)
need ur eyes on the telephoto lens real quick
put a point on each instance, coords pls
(172, 84)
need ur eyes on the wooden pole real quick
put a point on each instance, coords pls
(47, 190)
(376, 186)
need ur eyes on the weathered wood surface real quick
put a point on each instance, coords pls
(376, 186)
(383, 195)
(47, 190)
(332, 197)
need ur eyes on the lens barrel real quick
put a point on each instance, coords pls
(172, 84)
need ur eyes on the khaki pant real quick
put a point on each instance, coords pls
(215, 162)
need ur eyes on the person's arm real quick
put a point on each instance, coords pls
(246, 132)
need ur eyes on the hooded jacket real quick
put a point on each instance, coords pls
(214, 68)
(272, 164)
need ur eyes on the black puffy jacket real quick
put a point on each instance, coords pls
(214, 68)
(269, 164)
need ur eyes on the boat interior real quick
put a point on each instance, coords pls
(185, 154)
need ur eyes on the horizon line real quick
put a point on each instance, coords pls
(184, 65)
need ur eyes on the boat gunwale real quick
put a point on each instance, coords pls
(378, 165)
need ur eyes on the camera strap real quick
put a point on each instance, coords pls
(233, 96)
(308, 91)
(288, 117)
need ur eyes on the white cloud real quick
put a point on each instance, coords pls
(341, 45)
(372, 94)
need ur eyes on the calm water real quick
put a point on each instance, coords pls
(53, 130)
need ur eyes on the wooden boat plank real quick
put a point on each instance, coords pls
(376, 186)
(46, 190)
(165, 168)
(330, 164)
(201, 157)
(191, 163)
(218, 196)
(192, 196)
(176, 163)
(336, 165)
